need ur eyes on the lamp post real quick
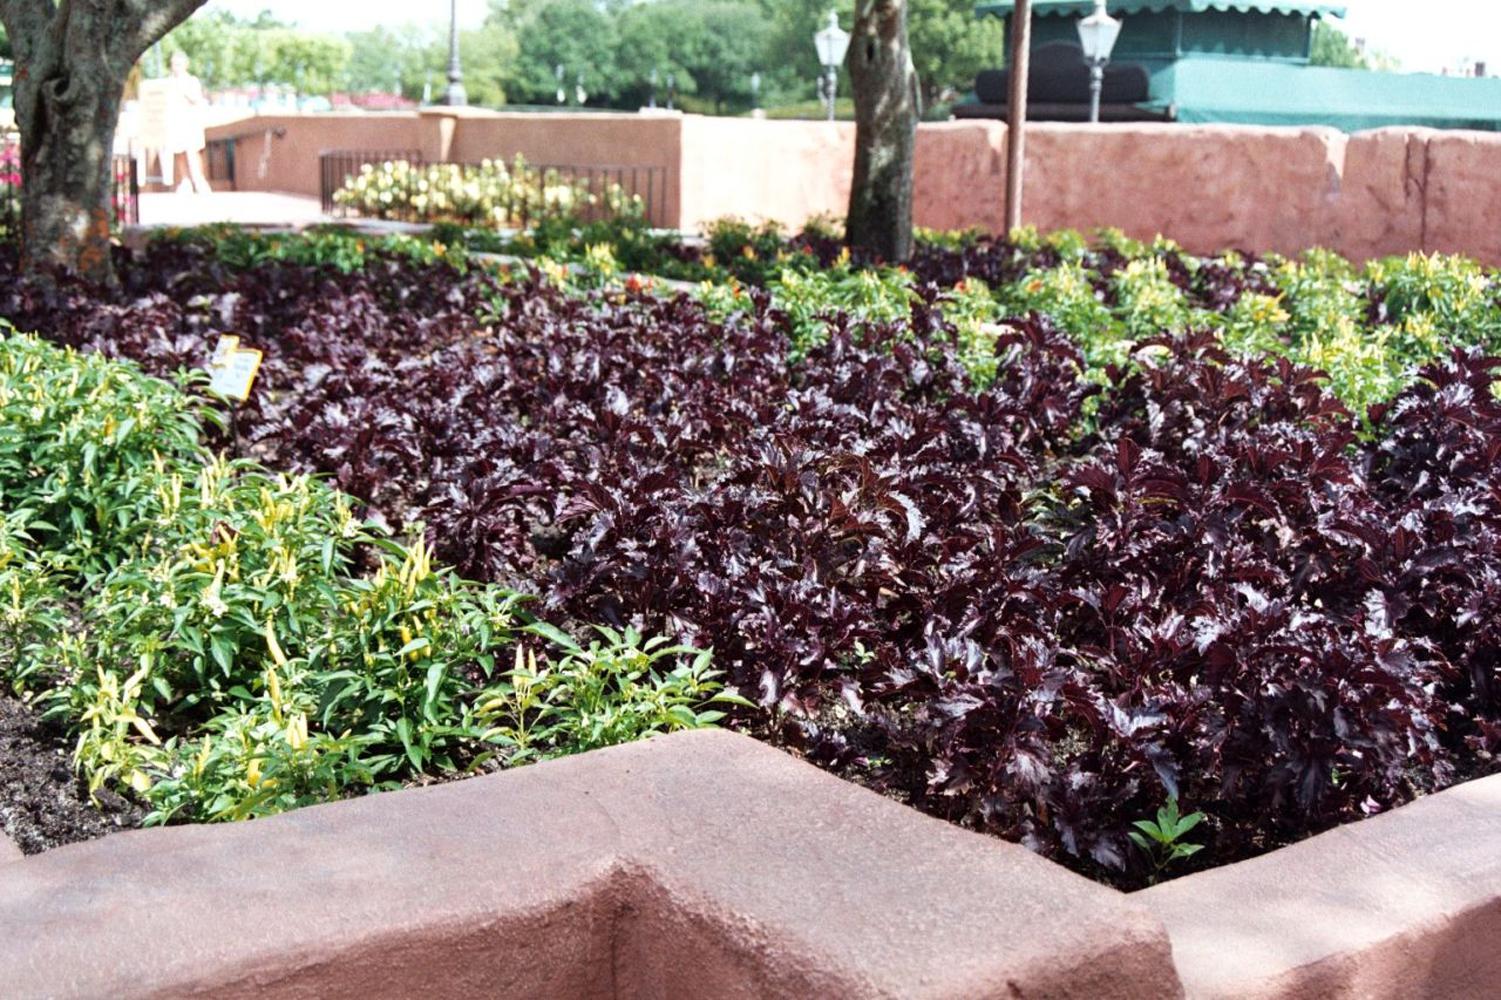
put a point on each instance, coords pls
(832, 43)
(454, 96)
(1097, 35)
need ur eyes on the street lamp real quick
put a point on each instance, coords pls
(832, 43)
(1097, 34)
(454, 96)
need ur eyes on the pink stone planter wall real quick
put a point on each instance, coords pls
(1210, 187)
(708, 865)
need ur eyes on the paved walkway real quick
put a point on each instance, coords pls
(255, 208)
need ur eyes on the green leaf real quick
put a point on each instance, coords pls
(434, 679)
(554, 635)
(1187, 823)
(223, 649)
(416, 645)
(404, 733)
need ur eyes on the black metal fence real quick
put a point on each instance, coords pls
(603, 189)
(338, 168)
(125, 186)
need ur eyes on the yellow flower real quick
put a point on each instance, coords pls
(297, 731)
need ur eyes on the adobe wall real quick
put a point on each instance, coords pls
(606, 140)
(699, 865)
(784, 170)
(1210, 187)
(290, 163)
(706, 864)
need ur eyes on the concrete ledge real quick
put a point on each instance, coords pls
(1402, 905)
(708, 865)
(9, 849)
(698, 865)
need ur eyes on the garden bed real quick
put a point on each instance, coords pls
(1033, 574)
(43, 804)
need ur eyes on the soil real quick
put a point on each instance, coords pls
(42, 803)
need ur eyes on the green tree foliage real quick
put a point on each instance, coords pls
(414, 58)
(950, 45)
(395, 60)
(1333, 48)
(712, 49)
(227, 51)
(490, 55)
(793, 61)
(578, 35)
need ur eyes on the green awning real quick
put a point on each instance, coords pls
(1265, 93)
(1045, 7)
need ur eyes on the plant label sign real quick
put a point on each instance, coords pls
(232, 369)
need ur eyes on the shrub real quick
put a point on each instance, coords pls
(230, 643)
(488, 194)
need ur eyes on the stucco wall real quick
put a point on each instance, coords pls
(1210, 187)
(1462, 183)
(606, 140)
(630, 873)
(290, 163)
(784, 170)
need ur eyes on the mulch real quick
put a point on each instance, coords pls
(42, 802)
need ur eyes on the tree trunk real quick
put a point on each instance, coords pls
(72, 59)
(67, 127)
(887, 107)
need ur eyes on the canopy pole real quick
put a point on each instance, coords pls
(1016, 121)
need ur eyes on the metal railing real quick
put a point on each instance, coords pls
(124, 194)
(338, 168)
(604, 184)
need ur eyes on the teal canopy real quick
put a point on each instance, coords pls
(1266, 93)
(1043, 7)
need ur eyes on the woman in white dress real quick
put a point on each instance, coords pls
(185, 139)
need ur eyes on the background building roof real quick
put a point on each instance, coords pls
(1043, 7)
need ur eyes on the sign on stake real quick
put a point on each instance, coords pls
(232, 369)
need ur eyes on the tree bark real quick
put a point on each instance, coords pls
(72, 59)
(887, 107)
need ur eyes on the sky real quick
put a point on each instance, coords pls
(1425, 35)
(354, 15)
